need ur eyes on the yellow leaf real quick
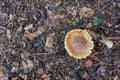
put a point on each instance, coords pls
(85, 12)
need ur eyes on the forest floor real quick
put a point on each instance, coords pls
(32, 36)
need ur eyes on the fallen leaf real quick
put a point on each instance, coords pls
(107, 42)
(20, 28)
(15, 78)
(1, 73)
(2, 29)
(86, 12)
(28, 65)
(3, 18)
(40, 71)
(58, 3)
(4, 77)
(87, 63)
(26, 77)
(97, 20)
(59, 16)
(30, 36)
(28, 27)
(50, 18)
(50, 40)
(33, 35)
(115, 77)
(46, 77)
(9, 34)
(11, 17)
(89, 25)
(40, 30)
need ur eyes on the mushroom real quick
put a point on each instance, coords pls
(78, 43)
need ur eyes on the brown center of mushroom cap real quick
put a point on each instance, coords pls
(78, 42)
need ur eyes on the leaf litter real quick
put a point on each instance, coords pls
(38, 28)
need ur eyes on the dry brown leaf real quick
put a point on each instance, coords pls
(58, 3)
(40, 30)
(26, 77)
(28, 27)
(15, 78)
(50, 19)
(89, 25)
(1, 73)
(29, 64)
(40, 71)
(9, 34)
(87, 63)
(11, 17)
(50, 40)
(19, 29)
(29, 35)
(115, 77)
(46, 77)
(107, 42)
(86, 12)
(32, 36)
(59, 16)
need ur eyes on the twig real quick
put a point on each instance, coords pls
(114, 38)
(107, 5)
(110, 30)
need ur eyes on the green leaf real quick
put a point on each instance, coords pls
(97, 21)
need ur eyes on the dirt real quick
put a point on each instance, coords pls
(32, 36)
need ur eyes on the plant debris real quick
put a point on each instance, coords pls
(32, 34)
(97, 20)
(86, 12)
(107, 42)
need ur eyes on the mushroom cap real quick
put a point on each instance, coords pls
(78, 43)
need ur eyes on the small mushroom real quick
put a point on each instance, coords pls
(78, 43)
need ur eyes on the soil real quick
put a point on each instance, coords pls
(32, 34)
